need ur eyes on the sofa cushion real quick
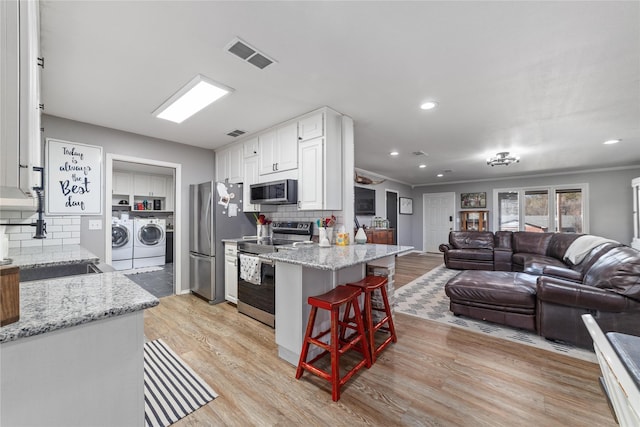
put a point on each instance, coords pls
(530, 242)
(511, 291)
(559, 244)
(471, 239)
(533, 263)
(618, 271)
(471, 254)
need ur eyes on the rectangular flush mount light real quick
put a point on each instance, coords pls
(193, 97)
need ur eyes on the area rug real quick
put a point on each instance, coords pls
(425, 298)
(172, 390)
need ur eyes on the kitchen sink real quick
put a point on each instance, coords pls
(61, 270)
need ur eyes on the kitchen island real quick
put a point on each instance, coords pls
(75, 357)
(306, 271)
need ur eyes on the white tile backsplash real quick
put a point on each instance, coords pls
(291, 213)
(61, 230)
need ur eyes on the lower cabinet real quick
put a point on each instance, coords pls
(380, 236)
(231, 272)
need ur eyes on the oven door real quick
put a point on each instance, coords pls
(259, 301)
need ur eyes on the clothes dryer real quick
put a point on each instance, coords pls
(122, 244)
(149, 245)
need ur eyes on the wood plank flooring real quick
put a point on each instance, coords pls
(434, 376)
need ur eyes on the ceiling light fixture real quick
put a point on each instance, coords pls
(191, 98)
(440, 175)
(422, 166)
(502, 158)
(612, 141)
(394, 153)
(429, 105)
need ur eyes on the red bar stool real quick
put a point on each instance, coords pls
(369, 285)
(341, 296)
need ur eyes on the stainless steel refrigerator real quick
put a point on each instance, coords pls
(216, 213)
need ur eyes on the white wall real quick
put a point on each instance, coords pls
(610, 199)
(197, 166)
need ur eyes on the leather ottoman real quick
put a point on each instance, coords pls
(504, 297)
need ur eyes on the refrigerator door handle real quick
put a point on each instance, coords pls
(209, 220)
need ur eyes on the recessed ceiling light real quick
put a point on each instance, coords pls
(193, 97)
(394, 153)
(422, 166)
(440, 175)
(429, 105)
(612, 141)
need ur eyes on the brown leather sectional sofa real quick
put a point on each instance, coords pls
(528, 282)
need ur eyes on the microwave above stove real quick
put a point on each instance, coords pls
(283, 192)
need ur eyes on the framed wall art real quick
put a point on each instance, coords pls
(473, 200)
(406, 206)
(74, 178)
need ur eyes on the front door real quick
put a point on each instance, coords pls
(437, 221)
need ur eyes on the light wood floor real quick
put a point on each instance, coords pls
(434, 376)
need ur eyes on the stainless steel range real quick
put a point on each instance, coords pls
(256, 278)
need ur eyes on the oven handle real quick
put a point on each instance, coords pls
(263, 261)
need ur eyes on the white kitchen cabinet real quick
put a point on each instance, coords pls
(231, 272)
(149, 185)
(229, 163)
(311, 127)
(251, 176)
(121, 183)
(278, 149)
(20, 138)
(320, 178)
(311, 179)
(250, 147)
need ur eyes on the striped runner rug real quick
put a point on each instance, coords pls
(172, 390)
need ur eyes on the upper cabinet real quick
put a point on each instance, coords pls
(149, 185)
(311, 127)
(320, 177)
(122, 183)
(278, 149)
(20, 139)
(250, 147)
(230, 164)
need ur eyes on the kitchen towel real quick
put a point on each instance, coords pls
(250, 269)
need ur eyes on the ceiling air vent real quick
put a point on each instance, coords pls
(236, 133)
(248, 53)
(419, 153)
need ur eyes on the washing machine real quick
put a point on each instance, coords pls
(122, 244)
(149, 243)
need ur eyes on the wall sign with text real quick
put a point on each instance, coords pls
(73, 178)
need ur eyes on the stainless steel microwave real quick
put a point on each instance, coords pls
(283, 192)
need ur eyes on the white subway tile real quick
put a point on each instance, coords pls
(54, 228)
(75, 234)
(14, 243)
(28, 214)
(76, 220)
(20, 236)
(62, 221)
(72, 227)
(51, 242)
(9, 215)
(71, 241)
(61, 235)
(31, 243)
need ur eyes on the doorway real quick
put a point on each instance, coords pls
(392, 212)
(174, 270)
(437, 220)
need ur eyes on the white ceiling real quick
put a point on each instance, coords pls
(548, 80)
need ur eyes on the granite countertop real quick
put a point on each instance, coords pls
(44, 256)
(335, 257)
(49, 305)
